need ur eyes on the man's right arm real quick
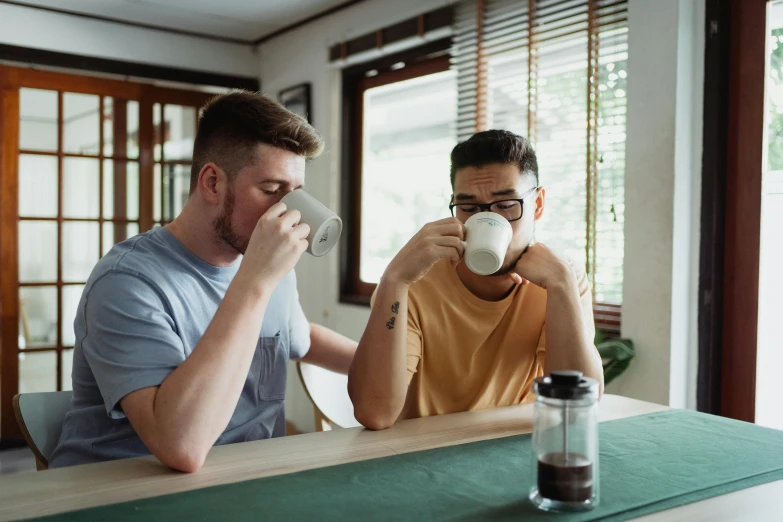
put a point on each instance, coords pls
(181, 419)
(378, 377)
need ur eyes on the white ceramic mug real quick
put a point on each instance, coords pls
(487, 240)
(325, 225)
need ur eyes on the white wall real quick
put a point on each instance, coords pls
(662, 188)
(69, 34)
(663, 180)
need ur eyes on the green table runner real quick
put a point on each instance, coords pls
(648, 463)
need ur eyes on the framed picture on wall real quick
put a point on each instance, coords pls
(297, 100)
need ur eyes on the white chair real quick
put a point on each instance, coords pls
(328, 391)
(40, 417)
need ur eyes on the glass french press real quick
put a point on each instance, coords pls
(565, 442)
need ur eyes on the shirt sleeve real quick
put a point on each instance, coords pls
(299, 327)
(414, 337)
(415, 343)
(586, 301)
(130, 341)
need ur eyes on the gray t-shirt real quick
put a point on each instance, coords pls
(145, 307)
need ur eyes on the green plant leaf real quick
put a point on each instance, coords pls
(617, 355)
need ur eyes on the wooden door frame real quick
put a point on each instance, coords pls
(81, 64)
(11, 80)
(713, 203)
(744, 158)
(9, 259)
(734, 128)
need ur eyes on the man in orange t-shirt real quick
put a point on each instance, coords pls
(472, 341)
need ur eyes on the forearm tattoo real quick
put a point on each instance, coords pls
(396, 309)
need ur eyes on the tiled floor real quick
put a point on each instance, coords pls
(16, 461)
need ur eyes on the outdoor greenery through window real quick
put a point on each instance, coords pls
(560, 136)
(775, 89)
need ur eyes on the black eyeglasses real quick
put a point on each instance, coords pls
(511, 209)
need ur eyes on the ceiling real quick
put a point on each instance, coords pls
(247, 20)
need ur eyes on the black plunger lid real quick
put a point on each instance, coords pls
(566, 385)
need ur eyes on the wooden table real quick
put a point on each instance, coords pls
(36, 494)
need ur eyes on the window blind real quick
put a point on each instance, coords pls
(464, 60)
(555, 72)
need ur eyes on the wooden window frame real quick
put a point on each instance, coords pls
(12, 79)
(748, 66)
(421, 61)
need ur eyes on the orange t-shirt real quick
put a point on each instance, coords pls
(465, 353)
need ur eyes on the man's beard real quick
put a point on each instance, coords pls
(222, 224)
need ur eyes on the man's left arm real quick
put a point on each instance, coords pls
(330, 350)
(569, 315)
(316, 344)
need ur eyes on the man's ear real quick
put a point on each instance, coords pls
(209, 179)
(540, 199)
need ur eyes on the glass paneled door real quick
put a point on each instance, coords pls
(82, 162)
(78, 194)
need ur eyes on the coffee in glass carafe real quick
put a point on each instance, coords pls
(565, 442)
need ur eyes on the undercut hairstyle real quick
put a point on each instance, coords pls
(495, 146)
(232, 125)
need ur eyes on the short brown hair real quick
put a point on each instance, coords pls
(232, 125)
(494, 146)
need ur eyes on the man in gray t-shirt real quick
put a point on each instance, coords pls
(181, 341)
